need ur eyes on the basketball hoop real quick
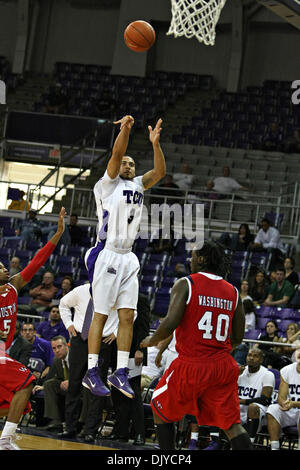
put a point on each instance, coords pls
(196, 18)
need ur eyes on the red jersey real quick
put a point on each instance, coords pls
(204, 332)
(8, 314)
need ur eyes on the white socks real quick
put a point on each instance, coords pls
(9, 429)
(194, 435)
(122, 359)
(275, 445)
(92, 360)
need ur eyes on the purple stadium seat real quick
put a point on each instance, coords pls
(252, 334)
(288, 314)
(265, 311)
(261, 322)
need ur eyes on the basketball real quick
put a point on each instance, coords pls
(139, 36)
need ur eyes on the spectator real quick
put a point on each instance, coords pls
(179, 271)
(280, 291)
(53, 326)
(184, 180)
(131, 409)
(225, 184)
(41, 349)
(273, 140)
(67, 284)
(244, 290)
(259, 287)
(76, 233)
(20, 349)
(167, 188)
(14, 266)
(43, 294)
(56, 384)
(150, 371)
(56, 100)
(250, 316)
(286, 411)
(20, 204)
(292, 336)
(293, 143)
(255, 385)
(237, 241)
(290, 274)
(272, 359)
(268, 240)
(77, 325)
(208, 193)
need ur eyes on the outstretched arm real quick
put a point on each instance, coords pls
(153, 176)
(120, 146)
(179, 296)
(21, 279)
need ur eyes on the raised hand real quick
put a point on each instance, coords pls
(154, 134)
(61, 220)
(126, 121)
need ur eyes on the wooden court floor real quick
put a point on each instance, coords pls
(29, 441)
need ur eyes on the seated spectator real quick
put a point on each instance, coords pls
(290, 274)
(19, 205)
(250, 316)
(184, 180)
(14, 266)
(67, 284)
(292, 337)
(292, 144)
(268, 240)
(34, 229)
(271, 335)
(237, 241)
(41, 349)
(105, 107)
(244, 290)
(167, 188)
(54, 326)
(150, 371)
(76, 233)
(272, 359)
(259, 287)
(273, 140)
(43, 294)
(56, 100)
(225, 184)
(255, 388)
(179, 271)
(280, 291)
(56, 384)
(20, 349)
(285, 412)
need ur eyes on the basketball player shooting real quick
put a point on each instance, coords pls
(207, 315)
(16, 381)
(112, 266)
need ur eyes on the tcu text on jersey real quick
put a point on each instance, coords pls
(247, 392)
(133, 197)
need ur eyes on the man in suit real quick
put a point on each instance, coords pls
(56, 384)
(20, 349)
(128, 409)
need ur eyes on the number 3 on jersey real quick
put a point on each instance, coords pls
(206, 325)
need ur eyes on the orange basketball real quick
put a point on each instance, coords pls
(139, 36)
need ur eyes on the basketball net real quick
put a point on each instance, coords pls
(196, 18)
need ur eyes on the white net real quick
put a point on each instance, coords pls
(196, 18)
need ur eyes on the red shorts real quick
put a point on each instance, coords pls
(14, 376)
(206, 390)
